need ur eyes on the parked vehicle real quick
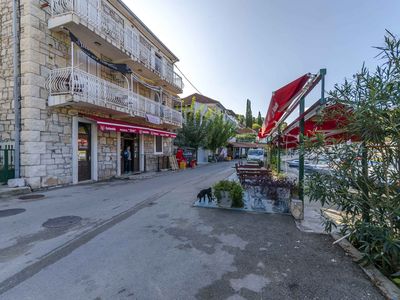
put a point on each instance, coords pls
(319, 166)
(293, 163)
(256, 155)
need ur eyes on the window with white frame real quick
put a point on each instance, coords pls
(158, 144)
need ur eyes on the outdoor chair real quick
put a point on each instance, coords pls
(253, 177)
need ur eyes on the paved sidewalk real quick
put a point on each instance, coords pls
(7, 192)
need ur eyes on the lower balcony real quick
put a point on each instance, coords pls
(71, 86)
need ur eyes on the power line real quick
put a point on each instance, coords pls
(188, 80)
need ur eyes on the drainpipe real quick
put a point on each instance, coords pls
(17, 86)
(301, 152)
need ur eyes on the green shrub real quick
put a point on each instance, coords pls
(236, 193)
(234, 189)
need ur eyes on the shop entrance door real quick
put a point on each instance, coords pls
(130, 157)
(84, 152)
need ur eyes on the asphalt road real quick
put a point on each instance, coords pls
(164, 248)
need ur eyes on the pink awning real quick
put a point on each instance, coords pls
(281, 99)
(121, 126)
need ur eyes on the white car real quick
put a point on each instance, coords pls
(256, 155)
(320, 166)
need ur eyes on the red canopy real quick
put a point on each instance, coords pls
(121, 126)
(330, 121)
(280, 101)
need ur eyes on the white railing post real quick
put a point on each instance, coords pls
(98, 21)
(162, 68)
(152, 59)
(72, 69)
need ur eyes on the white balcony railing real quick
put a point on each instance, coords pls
(91, 89)
(124, 37)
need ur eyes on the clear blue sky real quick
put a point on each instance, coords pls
(236, 49)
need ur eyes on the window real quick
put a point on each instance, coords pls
(158, 63)
(158, 145)
(256, 152)
(113, 24)
(144, 91)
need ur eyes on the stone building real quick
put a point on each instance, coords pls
(94, 81)
(204, 104)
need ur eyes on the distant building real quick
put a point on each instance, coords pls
(205, 104)
(239, 149)
(246, 131)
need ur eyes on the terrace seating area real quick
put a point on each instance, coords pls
(264, 191)
(251, 174)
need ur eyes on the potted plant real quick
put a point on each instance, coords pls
(229, 194)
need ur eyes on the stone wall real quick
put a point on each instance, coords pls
(6, 74)
(151, 158)
(58, 153)
(45, 133)
(107, 154)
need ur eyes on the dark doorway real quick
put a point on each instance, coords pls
(84, 152)
(130, 158)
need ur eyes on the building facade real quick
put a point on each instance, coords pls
(98, 91)
(206, 104)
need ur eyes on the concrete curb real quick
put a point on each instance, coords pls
(9, 192)
(387, 287)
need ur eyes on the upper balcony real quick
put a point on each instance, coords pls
(98, 24)
(71, 86)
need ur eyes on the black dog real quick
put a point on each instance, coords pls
(203, 193)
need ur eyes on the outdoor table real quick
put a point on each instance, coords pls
(252, 169)
(252, 176)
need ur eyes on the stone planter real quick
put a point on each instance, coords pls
(225, 201)
(283, 199)
(297, 209)
(265, 190)
(283, 194)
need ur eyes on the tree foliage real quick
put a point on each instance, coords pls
(364, 181)
(219, 132)
(256, 126)
(249, 114)
(200, 129)
(194, 129)
(259, 119)
(241, 119)
(246, 137)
